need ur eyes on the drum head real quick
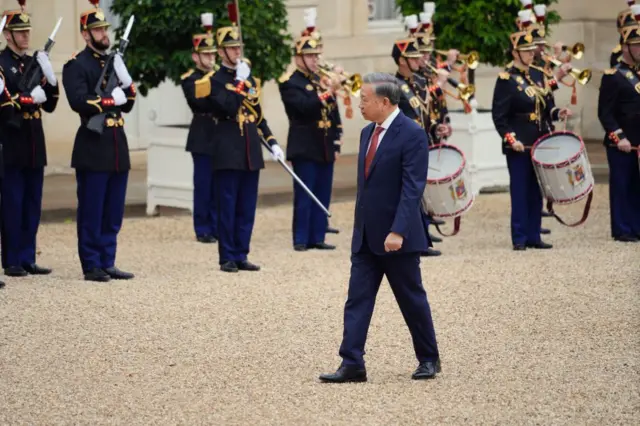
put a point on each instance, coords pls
(556, 148)
(444, 162)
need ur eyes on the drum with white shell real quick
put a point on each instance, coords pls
(448, 192)
(562, 167)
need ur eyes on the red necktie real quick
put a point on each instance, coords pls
(372, 150)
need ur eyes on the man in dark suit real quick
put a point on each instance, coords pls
(388, 235)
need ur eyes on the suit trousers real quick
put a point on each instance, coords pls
(21, 210)
(309, 221)
(101, 201)
(403, 273)
(205, 216)
(526, 199)
(237, 195)
(624, 192)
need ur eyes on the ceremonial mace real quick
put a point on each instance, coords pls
(262, 140)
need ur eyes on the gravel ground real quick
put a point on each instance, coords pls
(536, 337)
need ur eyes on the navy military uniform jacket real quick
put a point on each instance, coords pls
(619, 104)
(196, 86)
(22, 132)
(239, 122)
(93, 152)
(616, 56)
(314, 125)
(522, 108)
(414, 102)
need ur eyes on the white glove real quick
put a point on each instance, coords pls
(242, 71)
(118, 96)
(121, 71)
(38, 95)
(47, 69)
(276, 152)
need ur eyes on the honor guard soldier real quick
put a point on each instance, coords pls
(625, 19)
(196, 88)
(312, 109)
(237, 159)
(102, 159)
(24, 148)
(618, 106)
(522, 111)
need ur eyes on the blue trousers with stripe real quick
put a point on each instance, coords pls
(205, 216)
(101, 201)
(624, 193)
(309, 221)
(21, 210)
(526, 200)
(237, 195)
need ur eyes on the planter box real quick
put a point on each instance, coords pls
(476, 136)
(169, 171)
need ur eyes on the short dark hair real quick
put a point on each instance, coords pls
(385, 86)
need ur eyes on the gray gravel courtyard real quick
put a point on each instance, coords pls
(535, 337)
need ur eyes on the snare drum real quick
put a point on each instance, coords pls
(562, 167)
(448, 192)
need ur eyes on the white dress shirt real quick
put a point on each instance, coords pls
(385, 124)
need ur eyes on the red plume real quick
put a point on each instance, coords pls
(23, 4)
(95, 3)
(233, 12)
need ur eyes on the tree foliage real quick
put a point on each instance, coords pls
(160, 42)
(480, 25)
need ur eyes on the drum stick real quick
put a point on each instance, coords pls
(433, 168)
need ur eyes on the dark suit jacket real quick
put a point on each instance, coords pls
(389, 199)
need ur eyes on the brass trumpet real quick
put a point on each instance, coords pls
(352, 83)
(472, 59)
(576, 50)
(581, 76)
(464, 91)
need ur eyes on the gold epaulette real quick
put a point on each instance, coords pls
(285, 77)
(610, 71)
(617, 49)
(187, 74)
(203, 85)
(504, 75)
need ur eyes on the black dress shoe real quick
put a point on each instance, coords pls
(300, 247)
(229, 267)
(322, 246)
(15, 271)
(545, 231)
(245, 265)
(117, 274)
(626, 239)
(346, 374)
(435, 239)
(2, 284)
(331, 230)
(540, 245)
(98, 275)
(519, 247)
(426, 370)
(207, 239)
(431, 252)
(36, 270)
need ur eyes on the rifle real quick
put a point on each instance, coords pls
(96, 123)
(33, 74)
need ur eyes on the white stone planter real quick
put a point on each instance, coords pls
(478, 139)
(169, 171)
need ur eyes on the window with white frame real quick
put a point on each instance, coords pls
(382, 10)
